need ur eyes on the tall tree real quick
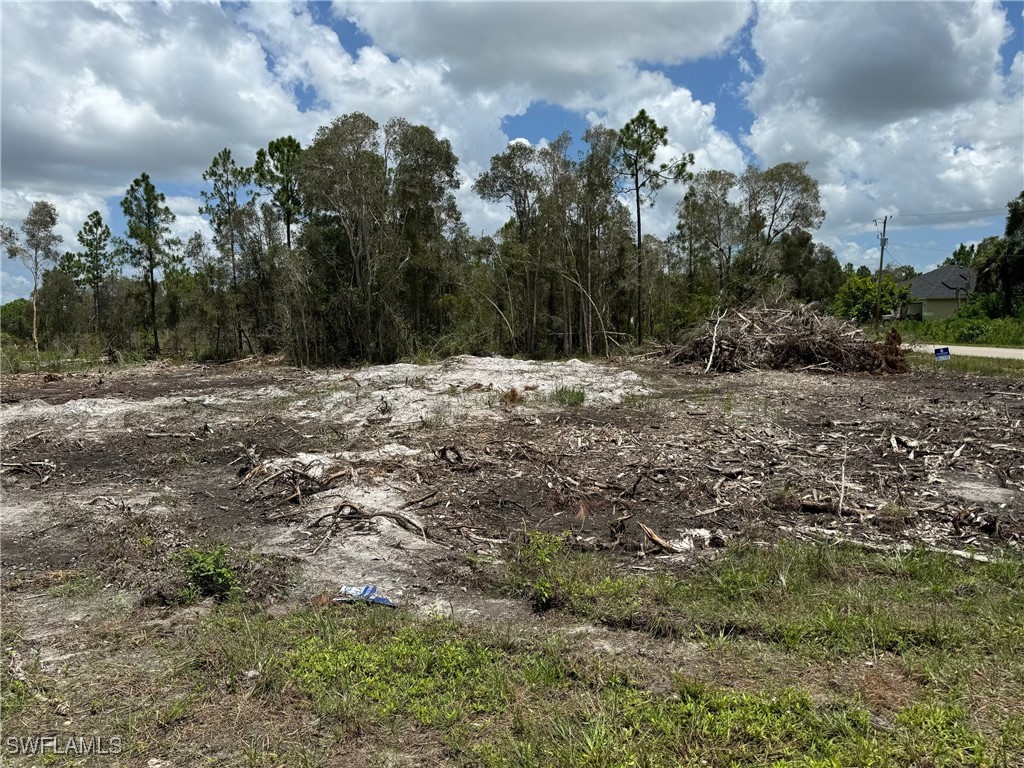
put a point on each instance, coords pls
(713, 220)
(40, 248)
(422, 177)
(810, 268)
(222, 203)
(777, 200)
(639, 141)
(342, 180)
(276, 172)
(147, 244)
(90, 268)
(513, 176)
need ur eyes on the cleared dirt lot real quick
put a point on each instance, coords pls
(405, 476)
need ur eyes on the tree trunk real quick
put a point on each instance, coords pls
(639, 269)
(152, 307)
(35, 295)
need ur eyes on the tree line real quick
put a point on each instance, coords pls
(353, 248)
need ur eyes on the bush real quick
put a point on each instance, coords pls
(210, 574)
(965, 329)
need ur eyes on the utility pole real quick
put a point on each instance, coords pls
(881, 259)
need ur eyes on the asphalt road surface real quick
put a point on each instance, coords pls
(1007, 353)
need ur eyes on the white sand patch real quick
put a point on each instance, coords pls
(377, 551)
(447, 393)
(89, 418)
(461, 388)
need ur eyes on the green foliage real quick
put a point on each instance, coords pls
(812, 270)
(209, 573)
(959, 364)
(275, 172)
(969, 326)
(857, 297)
(148, 245)
(384, 268)
(571, 397)
(92, 266)
(16, 319)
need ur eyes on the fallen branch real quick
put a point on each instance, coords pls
(657, 540)
(354, 513)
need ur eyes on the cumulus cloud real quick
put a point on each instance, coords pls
(875, 63)
(14, 286)
(462, 67)
(93, 94)
(898, 107)
(555, 49)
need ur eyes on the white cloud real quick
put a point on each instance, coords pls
(898, 107)
(95, 94)
(555, 49)
(446, 72)
(876, 63)
(187, 219)
(13, 286)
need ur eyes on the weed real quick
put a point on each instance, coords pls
(210, 575)
(634, 400)
(484, 702)
(965, 329)
(817, 600)
(570, 397)
(440, 416)
(79, 586)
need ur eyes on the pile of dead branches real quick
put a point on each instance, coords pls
(794, 337)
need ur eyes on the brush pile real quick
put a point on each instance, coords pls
(794, 337)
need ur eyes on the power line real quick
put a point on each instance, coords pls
(922, 247)
(844, 234)
(946, 213)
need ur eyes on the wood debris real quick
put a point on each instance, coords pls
(793, 337)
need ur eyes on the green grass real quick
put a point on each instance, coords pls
(570, 397)
(346, 684)
(484, 699)
(80, 586)
(984, 366)
(819, 600)
(18, 356)
(637, 401)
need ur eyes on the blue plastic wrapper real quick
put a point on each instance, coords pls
(367, 594)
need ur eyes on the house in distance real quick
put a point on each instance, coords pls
(938, 294)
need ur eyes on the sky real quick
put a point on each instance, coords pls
(912, 110)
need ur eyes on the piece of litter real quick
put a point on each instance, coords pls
(367, 594)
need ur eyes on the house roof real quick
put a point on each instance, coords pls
(942, 283)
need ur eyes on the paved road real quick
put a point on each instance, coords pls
(1007, 353)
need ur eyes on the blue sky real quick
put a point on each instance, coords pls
(903, 108)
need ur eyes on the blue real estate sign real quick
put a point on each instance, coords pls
(942, 353)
